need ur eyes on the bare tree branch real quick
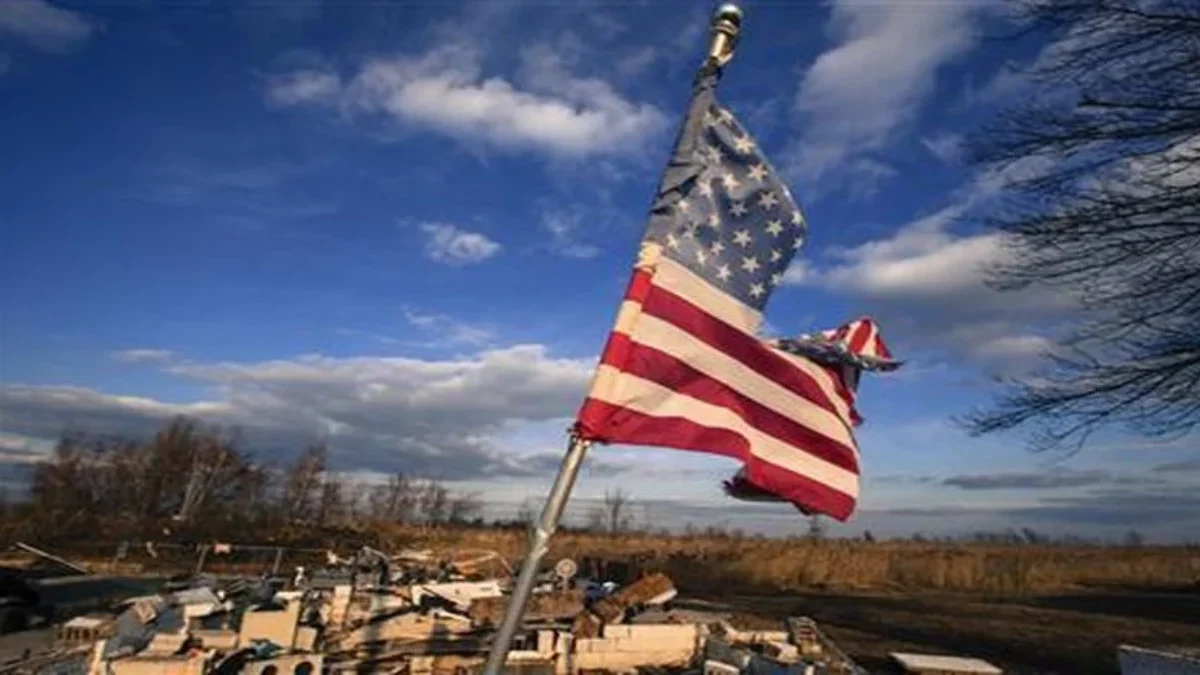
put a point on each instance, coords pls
(1111, 218)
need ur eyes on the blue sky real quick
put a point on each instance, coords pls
(405, 227)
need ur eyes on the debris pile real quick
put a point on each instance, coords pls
(414, 612)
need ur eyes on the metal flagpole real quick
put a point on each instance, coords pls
(727, 23)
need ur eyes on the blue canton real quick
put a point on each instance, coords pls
(735, 225)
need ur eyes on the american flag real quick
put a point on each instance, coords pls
(684, 366)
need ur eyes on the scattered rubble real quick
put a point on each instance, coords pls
(422, 614)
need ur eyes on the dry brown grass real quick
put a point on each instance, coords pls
(767, 565)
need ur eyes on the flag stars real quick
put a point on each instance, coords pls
(714, 154)
(758, 172)
(797, 243)
(737, 209)
(777, 278)
(672, 242)
(797, 219)
(774, 227)
(701, 256)
(723, 272)
(717, 247)
(742, 238)
(743, 145)
(768, 200)
(757, 290)
(684, 206)
(750, 264)
(714, 221)
(776, 255)
(730, 181)
(705, 187)
(724, 116)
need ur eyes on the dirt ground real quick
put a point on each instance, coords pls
(1063, 633)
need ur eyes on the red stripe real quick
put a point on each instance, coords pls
(881, 349)
(753, 353)
(668, 371)
(862, 331)
(607, 423)
(628, 426)
(800, 490)
(639, 286)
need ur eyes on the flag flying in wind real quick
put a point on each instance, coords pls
(684, 366)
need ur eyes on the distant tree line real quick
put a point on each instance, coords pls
(198, 481)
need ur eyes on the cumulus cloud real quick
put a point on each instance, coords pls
(45, 27)
(447, 90)
(927, 280)
(437, 418)
(144, 355)
(452, 245)
(857, 96)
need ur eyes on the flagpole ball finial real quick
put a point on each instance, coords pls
(726, 25)
(729, 12)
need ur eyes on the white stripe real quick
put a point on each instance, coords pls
(681, 281)
(653, 399)
(652, 331)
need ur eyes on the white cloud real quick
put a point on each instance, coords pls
(446, 90)
(563, 227)
(439, 418)
(947, 146)
(860, 94)
(454, 246)
(448, 329)
(927, 281)
(1011, 347)
(303, 86)
(44, 26)
(144, 355)
(922, 259)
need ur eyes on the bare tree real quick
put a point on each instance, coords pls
(525, 512)
(463, 508)
(616, 506)
(816, 528)
(302, 484)
(1101, 170)
(394, 501)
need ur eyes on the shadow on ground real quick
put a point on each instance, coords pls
(1052, 634)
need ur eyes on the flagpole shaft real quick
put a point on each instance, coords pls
(538, 546)
(725, 30)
